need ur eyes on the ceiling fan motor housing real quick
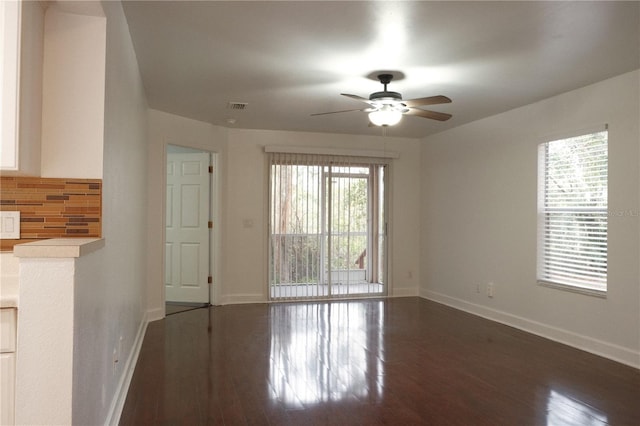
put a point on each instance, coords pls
(386, 96)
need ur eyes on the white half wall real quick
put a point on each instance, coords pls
(478, 215)
(45, 347)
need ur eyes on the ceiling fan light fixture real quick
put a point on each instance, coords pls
(385, 116)
(386, 108)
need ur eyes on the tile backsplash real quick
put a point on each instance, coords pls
(52, 207)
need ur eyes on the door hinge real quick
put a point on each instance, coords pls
(210, 169)
(209, 280)
(210, 224)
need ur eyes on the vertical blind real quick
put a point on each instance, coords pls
(326, 222)
(572, 209)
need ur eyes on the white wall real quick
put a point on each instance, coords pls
(245, 278)
(73, 93)
(242, 177)
(111, 312)
(30, 122)
(93, 375)
(479, 195)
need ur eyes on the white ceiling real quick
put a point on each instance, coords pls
(288, 60)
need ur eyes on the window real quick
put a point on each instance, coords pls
(572, 213)
(327, 226)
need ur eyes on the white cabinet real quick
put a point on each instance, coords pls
(7, 365)
(9, 79)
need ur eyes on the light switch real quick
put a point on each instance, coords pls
(10, 225)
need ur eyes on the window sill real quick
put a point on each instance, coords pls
(573, 289)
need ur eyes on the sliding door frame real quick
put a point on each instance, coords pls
(378, 216)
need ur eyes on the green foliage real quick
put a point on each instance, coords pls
(575, 204)
(304, 229)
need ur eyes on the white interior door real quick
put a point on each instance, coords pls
(187, 228)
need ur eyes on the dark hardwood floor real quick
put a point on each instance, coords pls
(403, 361)
(171, 308)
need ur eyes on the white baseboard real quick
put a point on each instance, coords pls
(155, 314)
(117, 404)
(595, 346)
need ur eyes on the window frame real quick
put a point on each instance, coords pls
(543, 211)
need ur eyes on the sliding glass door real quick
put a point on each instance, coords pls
(327, 227)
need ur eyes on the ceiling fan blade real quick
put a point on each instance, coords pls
(440, 116)
(356, 97)
(337, 112)
(431, 100)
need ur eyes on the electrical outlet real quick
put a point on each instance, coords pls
(490, 290)
(10, 225)
(115, 360)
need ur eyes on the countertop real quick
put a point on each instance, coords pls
(58, 247)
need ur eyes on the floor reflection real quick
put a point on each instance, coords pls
(563, 410)
(326, 352)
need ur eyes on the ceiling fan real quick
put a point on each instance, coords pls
(387, 108)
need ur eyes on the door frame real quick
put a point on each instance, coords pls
(214, 216)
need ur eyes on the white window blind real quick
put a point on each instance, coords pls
(572, 212)
(326, 225)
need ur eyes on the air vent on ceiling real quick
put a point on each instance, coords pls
(237, 105)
